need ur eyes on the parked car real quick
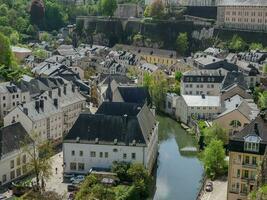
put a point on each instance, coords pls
(209, 187)
(78, 179)
(69, 175)
(70, 196)
(72, 188)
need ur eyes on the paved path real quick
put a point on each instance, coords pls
(219, 191)
(55, 183)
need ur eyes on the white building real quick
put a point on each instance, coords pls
(13, 160)
(170, 103)
(197, 82)
(198, 107)
(117, 132)
(11, 96)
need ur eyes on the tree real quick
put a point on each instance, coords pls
(215, 132)
(178, 76)
(182, 43)
(265, 69)
(157, 9)
(256, 46)
(107, 7)
(39, 159)
(237, 44)
(14, 38)
(263, 100)
(147, 12)
(5, 51)
(214, 159)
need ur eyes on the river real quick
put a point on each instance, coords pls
(179, 172)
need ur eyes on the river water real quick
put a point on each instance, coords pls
(179, 171)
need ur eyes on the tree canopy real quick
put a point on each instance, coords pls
(237, 44)
(214, 159)
(215, 132)
(107, 7)
(155, 10)
(182, 43)
(5, 51)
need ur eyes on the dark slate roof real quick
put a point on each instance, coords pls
(119, 109)
(105, 128)
(236, 142)
(234, 78)
(221, 64)
(135, 94)
(203, 76)
(120, 79)
(11, 137)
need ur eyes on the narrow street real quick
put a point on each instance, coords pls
(219, 191)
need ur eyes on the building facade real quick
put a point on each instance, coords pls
(117, 132)
(246, 151)
(13, 160)
(243, 15)
(199, 82)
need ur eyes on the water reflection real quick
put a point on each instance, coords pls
(179, 172)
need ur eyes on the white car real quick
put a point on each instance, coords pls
(77, 179)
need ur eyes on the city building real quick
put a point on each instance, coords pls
(170, 103)
(117, 132)
(151, 55)
(11, 96)
(13, 160)
(236, 113)
(190, 107)
(197, 82)
(242, 14)
(246, 151)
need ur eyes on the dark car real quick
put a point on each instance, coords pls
(72, 188)
(209, 187)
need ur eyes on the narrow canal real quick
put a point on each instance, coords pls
(179, 171)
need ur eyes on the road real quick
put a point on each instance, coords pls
(55, 182)
(219, 191)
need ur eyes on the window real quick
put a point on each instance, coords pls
(18, 160)
(133, 156)
(17, 96)
(81, 153)
(246, 160)
(254, 160)
(238, 173)
(73, 153)
(18, 172)
(24, 169)
(115, 150)
(245, 174)
(4, 98)
(80, 166)
(101, 154)
(4, 105)
(12, 164)
(13, 96)
(106, 154)
(73, 166)
(4, 178)
(12, 174)
(125, 156)
(92, 154)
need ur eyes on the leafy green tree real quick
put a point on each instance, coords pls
(14, 38)
(120, 168)
(39, 159)
(39, 53)
(182, 43)
(263, 100)
(215, 132)
(5, 51)
(256, 46)
(178, 76)
(157, 9)
(147, 12)
(107, 7)
(46, 37)
(214, 159)
(237, 44)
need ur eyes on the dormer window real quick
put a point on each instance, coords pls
(252, 143)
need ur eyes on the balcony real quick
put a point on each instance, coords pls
(234, 191)
(249, 165)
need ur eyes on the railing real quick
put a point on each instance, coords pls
(249, 165)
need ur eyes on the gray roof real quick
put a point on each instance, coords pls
(9, 87)
(11, 137)
(199, 101)
(121, 122)
(242, 3)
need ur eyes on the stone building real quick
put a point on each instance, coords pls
(243, 14)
